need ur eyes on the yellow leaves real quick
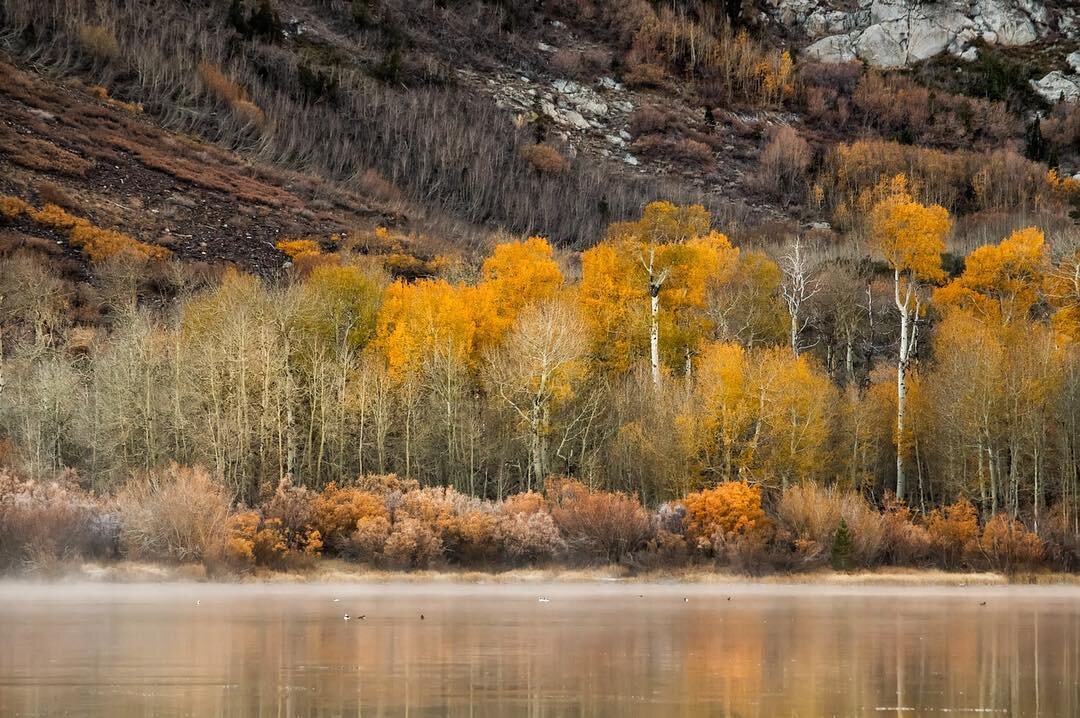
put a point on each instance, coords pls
(519, 274)
(763, 413)
(664, 223)
(298, 248)
(338, 304)
(674, 247)
(13, 207)
(1000, 282)
(418, 318)
(910, 235)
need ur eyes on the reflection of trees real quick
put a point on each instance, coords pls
(753, 656)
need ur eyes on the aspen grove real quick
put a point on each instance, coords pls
(664, 366)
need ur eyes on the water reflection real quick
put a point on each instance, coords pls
(495, 650)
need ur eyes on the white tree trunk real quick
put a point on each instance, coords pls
(654, 334)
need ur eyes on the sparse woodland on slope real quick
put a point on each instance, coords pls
(504, 283)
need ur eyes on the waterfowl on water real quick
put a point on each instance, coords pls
(346, 617)
(421, 617)
(544, 599)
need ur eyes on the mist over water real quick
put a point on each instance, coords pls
(596, 649)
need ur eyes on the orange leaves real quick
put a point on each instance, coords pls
(98, 243)
(910, 235)
(723, 513)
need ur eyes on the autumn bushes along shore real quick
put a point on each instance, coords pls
(177, 515)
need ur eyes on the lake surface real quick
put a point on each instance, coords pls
(494, 650)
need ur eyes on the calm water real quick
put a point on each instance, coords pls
(595, 650)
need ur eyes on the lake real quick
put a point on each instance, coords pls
(598, 649)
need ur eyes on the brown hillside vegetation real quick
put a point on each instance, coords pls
(118, 169)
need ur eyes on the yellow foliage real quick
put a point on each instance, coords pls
(298, 248)
(911, 236)
(1000, 282)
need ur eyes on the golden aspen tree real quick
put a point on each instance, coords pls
(668, 257)
(911, 237)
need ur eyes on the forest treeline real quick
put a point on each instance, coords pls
(657, 369)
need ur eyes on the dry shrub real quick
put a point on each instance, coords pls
(867, 530)
(583, 64)
(665, 549)
(176, 514)
(226, 90)
(386, 484)
(954, 532)
(527, 502)
(52, 193)
(528, 537)
(811, 514)
(644, 75)
(545, 159)
(1062, 540)
(691, 151)
(99, 42)
(651, 119)
(784, 163)
(366, 543)
(903, 542)
(337, 514)
(373, 184)
(42, 523)
(716, 517)
(597, 525)
(412, 544)
(38, 154)
(1008, 546)
(568, 63)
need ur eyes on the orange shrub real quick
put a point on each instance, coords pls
(252, 541)
(597, 525)
(336, 513)
(13, 207)
(954, 532)
(527, 502)
(297, 248)
(470, 538)
(723, 513)
(545, 159)
(1008, 546)
(99, 244)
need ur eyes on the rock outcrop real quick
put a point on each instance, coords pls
(896, 33)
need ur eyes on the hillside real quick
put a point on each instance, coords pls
(546, 118)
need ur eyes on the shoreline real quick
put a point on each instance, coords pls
(342, 572)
